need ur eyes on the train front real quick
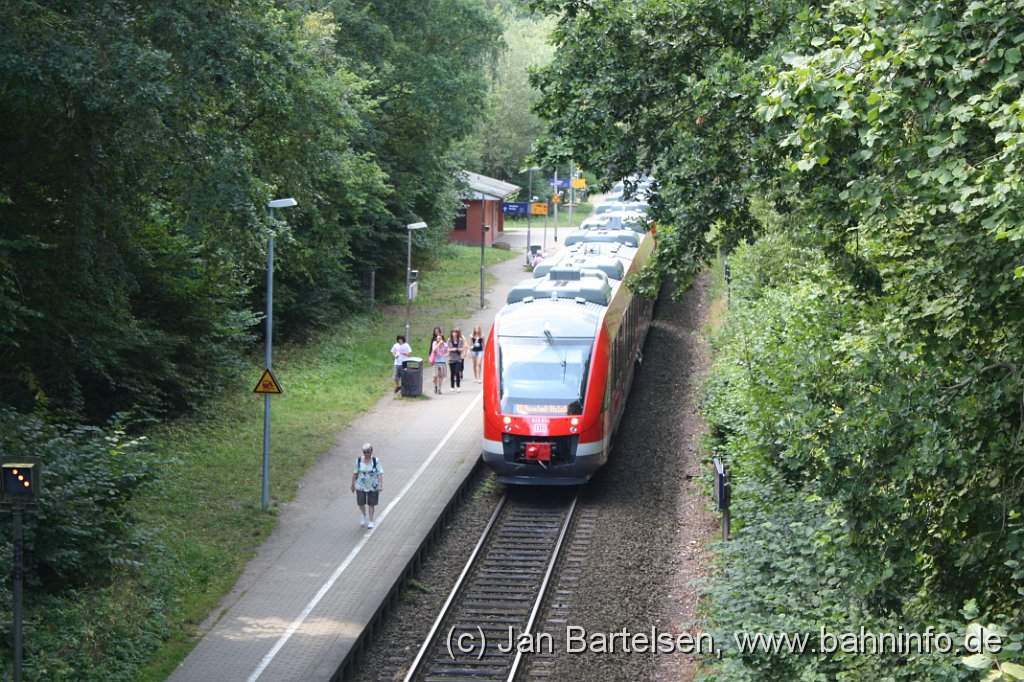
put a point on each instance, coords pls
(546, 364)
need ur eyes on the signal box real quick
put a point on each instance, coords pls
(19, 483)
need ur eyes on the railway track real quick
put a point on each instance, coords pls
(499, 591)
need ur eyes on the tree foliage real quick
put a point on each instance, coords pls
(141, 144)
(511, 128)
(869, 391)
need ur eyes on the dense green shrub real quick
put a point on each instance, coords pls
(89, 620)
(82, 528)
(871, 488)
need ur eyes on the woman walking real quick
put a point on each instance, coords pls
(476, 351)
(456, 358)
(367, 484)
(439, 358)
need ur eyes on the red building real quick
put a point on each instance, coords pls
(482, 200)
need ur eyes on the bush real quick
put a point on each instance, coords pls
(82, 528)
(873, 486)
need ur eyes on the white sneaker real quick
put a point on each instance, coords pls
(362, 520)
(370, 524)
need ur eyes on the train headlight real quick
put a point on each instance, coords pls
(507, 420)
(575, 421)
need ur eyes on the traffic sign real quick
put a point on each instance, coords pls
(538, 208)
(563, 183)
(268, 384)
(579, 183)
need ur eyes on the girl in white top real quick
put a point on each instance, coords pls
(401, 350)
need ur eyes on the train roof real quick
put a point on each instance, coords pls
(616, 220)
(563, 317)
(609, 258)
(627, 237)
(583, 285)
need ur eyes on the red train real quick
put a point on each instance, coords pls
(559, 360)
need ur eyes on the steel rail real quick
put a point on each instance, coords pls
(472, 585)
(429, 640)
(555, 553)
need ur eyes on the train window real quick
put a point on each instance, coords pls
(543, 376)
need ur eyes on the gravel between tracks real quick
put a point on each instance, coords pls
(650, 551)
(655, 524)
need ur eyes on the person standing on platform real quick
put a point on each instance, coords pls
(367, 484)
(476, 351)
(439, 359)
(456, 358)
(401, 351)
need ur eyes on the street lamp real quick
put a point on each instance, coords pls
(276, 203)
(408, 277)
(484, 229)
(529, 212)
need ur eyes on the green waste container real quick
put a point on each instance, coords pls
(412, 377)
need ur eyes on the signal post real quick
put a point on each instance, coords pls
(19, 492)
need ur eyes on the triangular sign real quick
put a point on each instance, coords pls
(268, 384)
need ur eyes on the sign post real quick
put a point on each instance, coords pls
(556, 199)
(723, 493)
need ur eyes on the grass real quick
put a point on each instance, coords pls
(207, 510)
(717, 295)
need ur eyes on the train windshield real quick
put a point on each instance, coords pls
(543, 376)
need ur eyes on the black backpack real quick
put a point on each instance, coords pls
(373, 469)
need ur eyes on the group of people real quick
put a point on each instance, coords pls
(448, 356)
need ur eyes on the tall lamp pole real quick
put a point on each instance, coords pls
(276, 203)
(529, 213)
(483, 238)
(408, 277)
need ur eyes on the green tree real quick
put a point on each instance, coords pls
(507, 136)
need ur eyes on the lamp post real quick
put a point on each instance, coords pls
(408, 276)
(483, 238)
(529, 213)
(276, 203)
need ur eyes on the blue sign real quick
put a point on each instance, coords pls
(563, 183)
(515, 208)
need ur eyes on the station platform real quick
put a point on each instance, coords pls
(301, 606)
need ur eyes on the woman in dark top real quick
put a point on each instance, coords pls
(456, 358)
(476, 351)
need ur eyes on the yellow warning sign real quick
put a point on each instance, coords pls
(268, 384)
(556, 199)
(538, 208)
(579, 183)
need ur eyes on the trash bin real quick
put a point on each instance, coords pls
(412, 377)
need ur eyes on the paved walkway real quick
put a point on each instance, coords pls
(303, 602)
